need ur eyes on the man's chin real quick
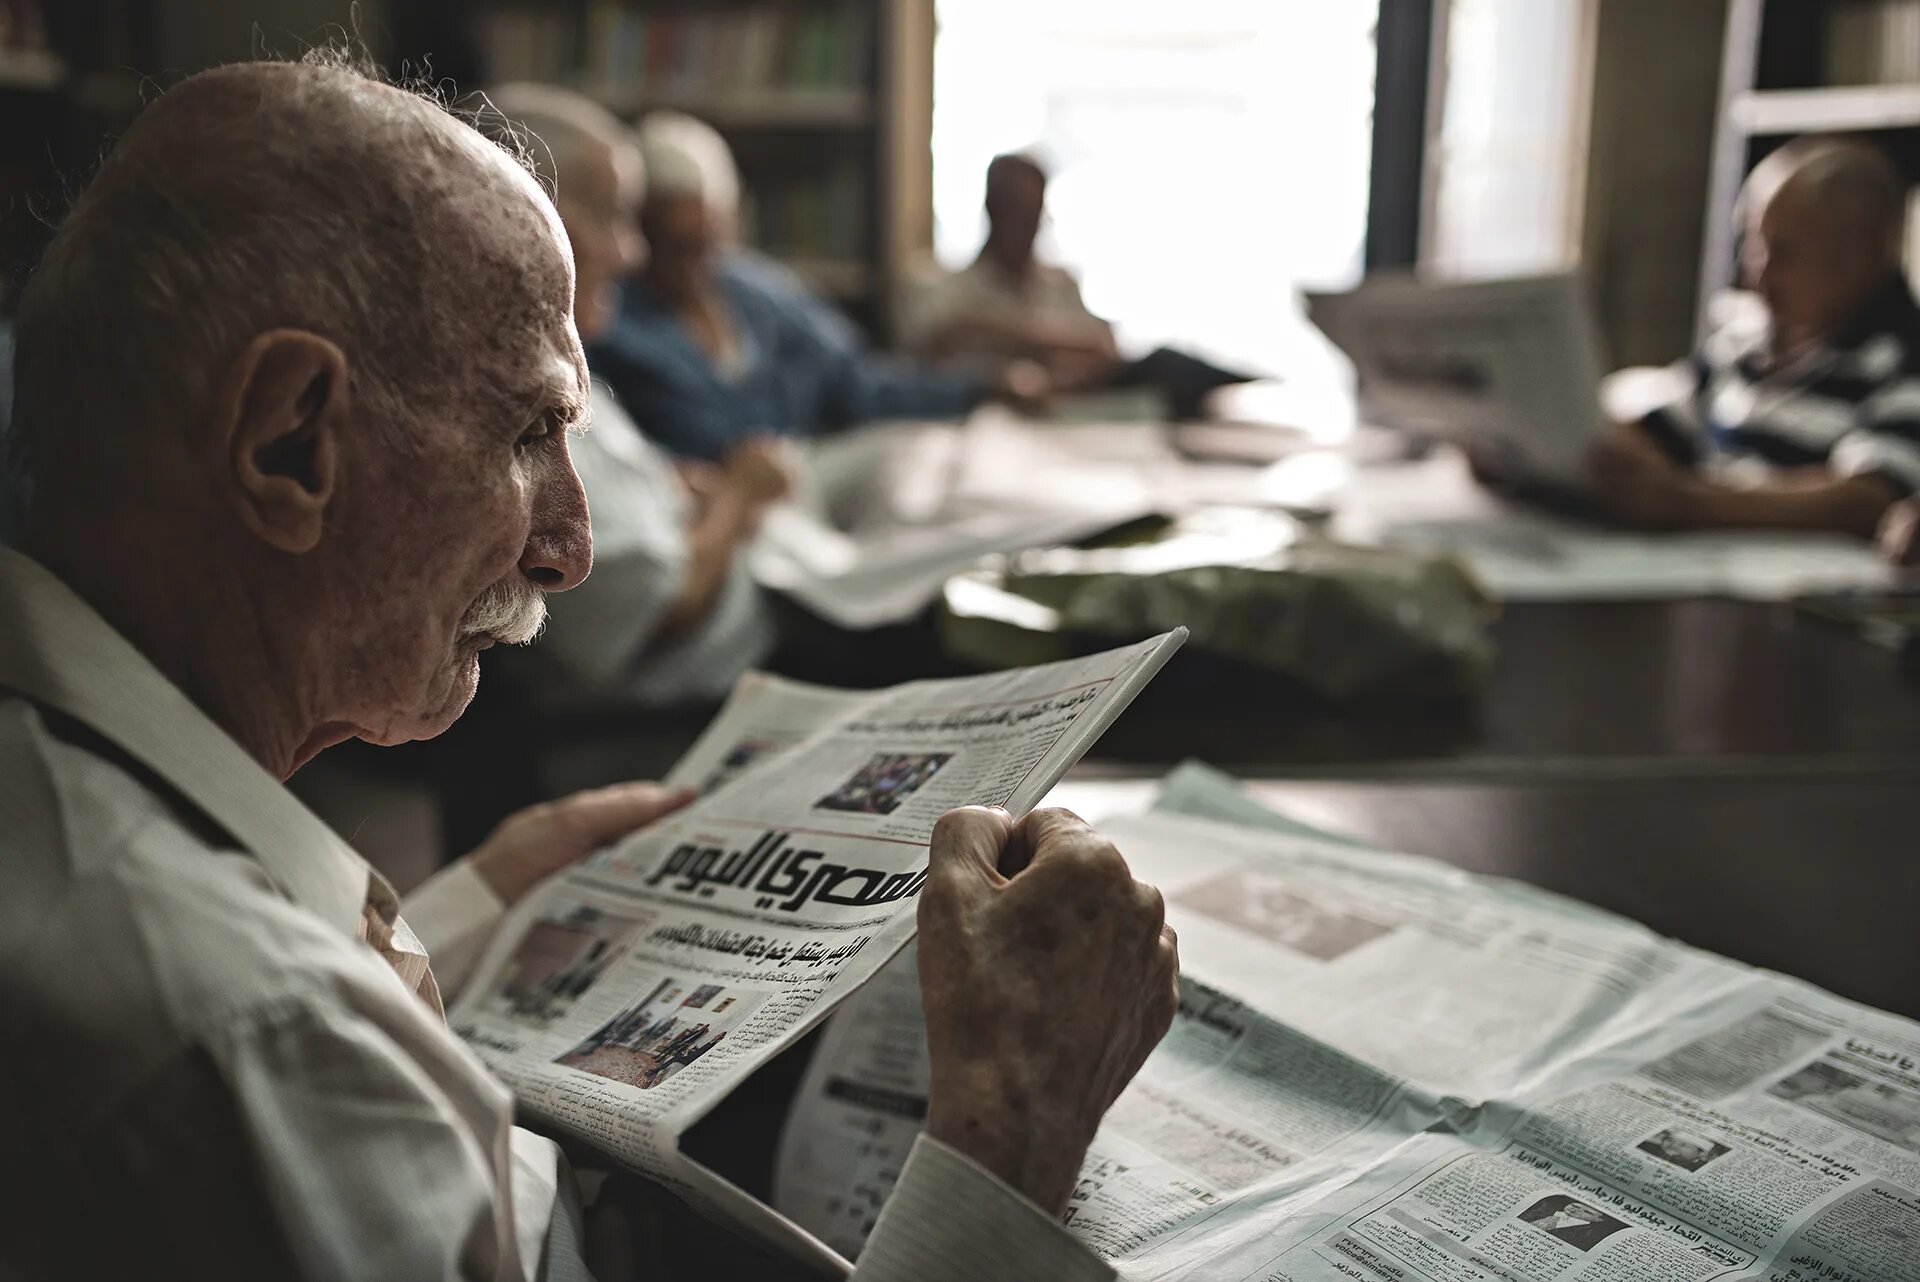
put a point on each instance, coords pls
(429, 725)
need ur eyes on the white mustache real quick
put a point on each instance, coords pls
(512, 612)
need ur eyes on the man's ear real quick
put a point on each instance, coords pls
(281, 410)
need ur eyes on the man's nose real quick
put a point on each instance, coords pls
(559, 550)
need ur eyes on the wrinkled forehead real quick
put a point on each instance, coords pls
(509, 223)
(508, 252)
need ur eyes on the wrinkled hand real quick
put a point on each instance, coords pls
(1637, 485)
(1899, 535)
(762, 469)
(1048, 974)
(531, 846)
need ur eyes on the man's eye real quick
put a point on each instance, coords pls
(537, 431)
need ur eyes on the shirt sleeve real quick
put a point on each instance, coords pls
(307, 1142)
(1679, 427)
(855, 385)
(865, 387)
(951, 1220)
(453, 913)
(1886, 443)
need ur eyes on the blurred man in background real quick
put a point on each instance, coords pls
(715, 345)
(671, 614)
(1010, 306)
(1803, 410)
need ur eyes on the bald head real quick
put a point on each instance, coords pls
(1822, 221)
(275, 195)
(296, 375)
(562, 131)
(1845, 179)
(593, 165)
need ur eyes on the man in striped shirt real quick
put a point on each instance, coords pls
(1802, 411)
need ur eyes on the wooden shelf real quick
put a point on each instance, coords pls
(840, 277)
(746, 109)
(31, 69)
(1842, 108)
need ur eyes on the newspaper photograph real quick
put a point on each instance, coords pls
(627, 996)
(1385, 1068)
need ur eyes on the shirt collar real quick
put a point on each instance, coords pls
(56, 650)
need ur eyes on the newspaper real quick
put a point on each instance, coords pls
(1384, 1068)
(889, 513)
(1512, 365)
(625, 998)
(1518, 554)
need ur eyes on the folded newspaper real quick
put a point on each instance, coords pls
(1384, 1068)
(626, 998)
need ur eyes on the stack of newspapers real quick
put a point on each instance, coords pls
(1382, 1068)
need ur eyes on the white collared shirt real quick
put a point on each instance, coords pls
(221, 1049)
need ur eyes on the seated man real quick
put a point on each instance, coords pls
(671, 614)
(715, 345)
(293, 384)
(1008, 306)
(1803, 412)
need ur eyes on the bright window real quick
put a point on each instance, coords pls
(1210, 157)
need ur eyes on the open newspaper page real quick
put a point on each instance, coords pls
(1773, 1133)
(1354, 1023)
(889, 513)
(626, 997)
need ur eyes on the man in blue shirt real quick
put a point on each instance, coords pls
(715, 345)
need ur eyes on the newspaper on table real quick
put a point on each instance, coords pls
(625, 998)
(1519, 554)
(889, 513)
(1384, 1068)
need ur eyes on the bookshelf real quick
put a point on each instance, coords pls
(827, 105)
(1792, 67)
(55, 57)
(31, 69)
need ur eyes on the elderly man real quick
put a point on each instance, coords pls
(1010, 305)
(715, 345)
(293, 382)
(1803, 411)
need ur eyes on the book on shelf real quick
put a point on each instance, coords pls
(818, 219)
(523, 43)
(687, 53)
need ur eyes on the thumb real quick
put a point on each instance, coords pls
(601, 816)
(967, 843)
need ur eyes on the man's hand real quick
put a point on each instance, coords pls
(1638, 485)
(1899, 535)
(1024, 386)
(1047, 974)
(762, 469)
(531, 846)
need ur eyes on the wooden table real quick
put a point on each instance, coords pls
(1816, 875)
(1628, 682)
